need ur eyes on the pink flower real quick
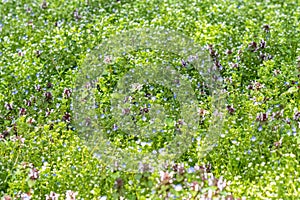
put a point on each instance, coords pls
(8, 106)
(262, 117)
(22, 111)
(166, 178)
(70, 195)
(67, 93)
(52, 196)
(195, 186)
(34, 174)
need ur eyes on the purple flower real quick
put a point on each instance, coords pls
(44, 4)
(34, 174)
(266, 27)
(230, 109)
(70, 195)
(228, 52)
(49, 85)
(262, 117)
(38, 87)
(67, 117)
(52, 196)
(119, 183)
(183, 63)
(48, 96)
(253, 46)
(262, 44)
(28, 102)
(297, 116)
(178, 187)
(67, 93)
(22, 111)
(8, 106)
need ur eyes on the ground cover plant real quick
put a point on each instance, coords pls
(254, 45)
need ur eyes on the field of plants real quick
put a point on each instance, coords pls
(253, 47)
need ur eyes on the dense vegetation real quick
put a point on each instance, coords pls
(254, 45)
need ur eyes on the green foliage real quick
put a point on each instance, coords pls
(255, 44)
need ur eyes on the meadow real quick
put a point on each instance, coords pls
(253, 46)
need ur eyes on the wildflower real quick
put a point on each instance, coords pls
(25, 196)
(67, 93)
(22, 111)
(258, 85)
(52, 196)
(28, 102)
(218, 65)
(276, 72)
(202, 112)
(179, 168)
(195, 186)
(44, 4)
(30, 120)
(119, 183)
(250, 87)
(229, 197)
(266, 27)
(234, 65)
(221, 184)
(126, 111)
(287, 120)
(48, 96)
(48, 112)
(115, 127)
(20, 53)
(253, 46)
(8, 106)
(145, 167)
(183, 63)
(212, 52)
(107, 59)
(34, 174)
(70, 195)
(20, 138)
(7, 198)
(30, 23)
(230, 109)
(278, 143)
(262, 117)
(277, 114)
(38, 53)
(262, 44)
(67, 117)
(262, 56)
(76, 14)
(166, 178)
(5, 133)
(49, 85)
(38, 88)
(136, 86)
(297, 116)
(228, 52)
